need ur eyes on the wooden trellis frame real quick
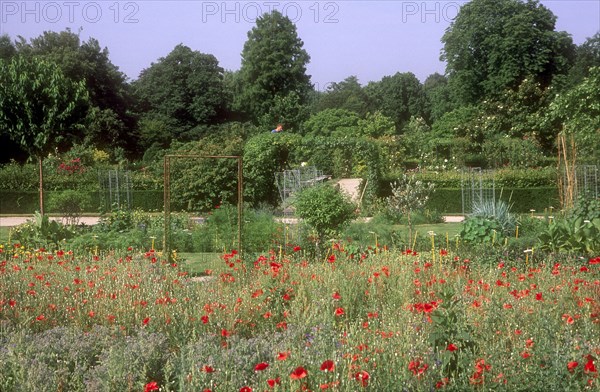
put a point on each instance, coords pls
(167, 195)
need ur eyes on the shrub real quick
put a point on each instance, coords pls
(325, 209)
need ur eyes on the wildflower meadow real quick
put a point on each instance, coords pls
(382, 320)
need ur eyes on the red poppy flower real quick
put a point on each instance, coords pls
(442, 383)
(572, 365)
(283, 356)
(146, 321)
(245, 389)
(151, 386)
(298, 373)
(297, 248)
(339, 311)
(539, 297)
(362, 377)
(336, 295)
(273, 381)
(225, 333)
(417, 367)
(331, 259)
(525, 354)
(589, 367)
(207, 369)
(327, 366)
(451, 347)
(261, 366)
(204, 319)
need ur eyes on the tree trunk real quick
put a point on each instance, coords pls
(41, 168)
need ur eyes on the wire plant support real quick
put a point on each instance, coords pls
(477, 186)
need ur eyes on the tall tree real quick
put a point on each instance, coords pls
(347, 94)
(587, 56)
(179, 92)
(40, 107)
(494, 44)
(398, 97)
(113, 123)
(273, 66)
(7, 48)
(439, 97)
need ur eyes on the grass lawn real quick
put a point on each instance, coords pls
(4, 234)
(197, 263)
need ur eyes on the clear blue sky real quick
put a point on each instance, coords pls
(369, 39)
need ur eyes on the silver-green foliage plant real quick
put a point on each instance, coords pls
(408, 195)
(490, 221)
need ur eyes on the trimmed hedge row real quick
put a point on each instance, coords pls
(26, 202)
(444, 200)
(449, 200)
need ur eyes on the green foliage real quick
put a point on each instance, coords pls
(325, 209)
(41, 232)
(398, 97)
(273, 66)
(376, 125)
(572, 235)
(264, 155)
(219, 231)
(578, 112)
(199, 184)
(347, 95)
(178, 92)
(39, 106)
(490, 222)
(332, 122)
(479, 229)
(111, 122)
(578, 231)
(484, 31)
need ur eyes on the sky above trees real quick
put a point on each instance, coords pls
(369, 39)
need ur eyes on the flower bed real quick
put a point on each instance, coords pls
(381, 321)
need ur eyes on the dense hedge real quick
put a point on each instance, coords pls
(449, 200)
(26, 202)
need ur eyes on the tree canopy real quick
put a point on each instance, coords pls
(494, 44)
(112, 124)
(273, 66)
(39, 106)
(179, 92)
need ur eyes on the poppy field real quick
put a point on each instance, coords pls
(385, 320)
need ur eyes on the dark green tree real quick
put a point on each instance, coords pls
(494, 44)
(587, 56)
(347, 94)
(177, 93)
(113, 124)
(439, 97)
(7, 48)
(399, 97)
(40, 107)
(332, 122)
(273, 66)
